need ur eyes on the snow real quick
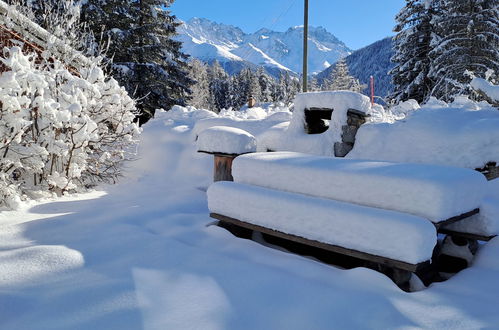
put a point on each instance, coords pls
(296, 139)
(462, 134)
(226, 140)
(432, 192)
(491, 90)
(386, 233)
(14, 20)
(487, 222)
(153, 260)
(257, 120)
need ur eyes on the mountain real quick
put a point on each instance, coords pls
(276, 51)
(372, 60)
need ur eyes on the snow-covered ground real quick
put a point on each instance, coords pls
(144, 255)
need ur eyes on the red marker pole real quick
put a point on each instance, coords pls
(372, 90)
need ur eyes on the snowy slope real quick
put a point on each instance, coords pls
(211, 41)
(143, 255)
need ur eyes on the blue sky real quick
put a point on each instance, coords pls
(356, 22)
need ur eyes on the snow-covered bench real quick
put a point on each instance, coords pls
(387, 213)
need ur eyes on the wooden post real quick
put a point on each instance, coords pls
(222, 169)
(251, 102)
(305, 47)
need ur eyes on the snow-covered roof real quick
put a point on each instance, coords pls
(19, 23)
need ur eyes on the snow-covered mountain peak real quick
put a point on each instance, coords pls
(275, 50)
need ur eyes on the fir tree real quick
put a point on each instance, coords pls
(266, 83)
(412, 48)
(201, 88)
(466, 45)
(340, 79)
(288, 87)
(219, 87)
(146, 59)
(313, 85)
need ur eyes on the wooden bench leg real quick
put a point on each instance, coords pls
(222, 169)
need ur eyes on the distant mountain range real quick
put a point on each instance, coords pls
(211, 41)
(282, 51)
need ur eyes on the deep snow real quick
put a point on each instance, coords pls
(394, 235)
(143, 255)
(433, 192)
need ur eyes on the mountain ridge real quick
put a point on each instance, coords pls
(281, 51)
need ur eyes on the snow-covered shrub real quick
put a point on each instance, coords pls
(58, 131)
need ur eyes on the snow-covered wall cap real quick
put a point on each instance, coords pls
(226, 140)
(340, 101)
(14, 20)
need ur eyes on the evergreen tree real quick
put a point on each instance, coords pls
(289, 86)
(340, 79)
(201, 87)
(266, 83)
(313, 85)
(412, 48)
(466, 45)
(146, 59)
(219, 87)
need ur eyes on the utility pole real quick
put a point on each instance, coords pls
(305, 48)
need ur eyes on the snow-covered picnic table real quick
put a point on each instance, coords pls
(387, 213)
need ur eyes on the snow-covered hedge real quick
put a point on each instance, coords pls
(58, 131)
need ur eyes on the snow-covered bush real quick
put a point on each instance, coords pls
(488, 90)
(58, 131)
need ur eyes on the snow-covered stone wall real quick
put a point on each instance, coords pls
(348, 110)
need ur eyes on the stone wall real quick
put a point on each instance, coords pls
(490, 170)
(316, 123)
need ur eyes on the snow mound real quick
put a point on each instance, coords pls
(391, 234)
(35, 262)
(227, 140)
(245, 120)
(487, 222)
(432, 192)
(463, 134)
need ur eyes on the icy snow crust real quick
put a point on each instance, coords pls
(296, 139)
(432, 192)
(462, 134)
(227, 140)
(390, 234)
(144, 254)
